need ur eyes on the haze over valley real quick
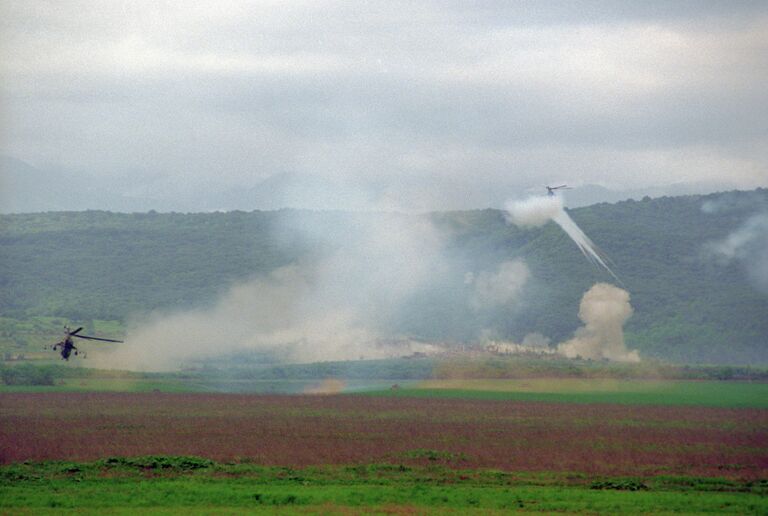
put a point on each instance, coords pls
(309, 286)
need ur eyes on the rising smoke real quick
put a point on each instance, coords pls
(502, 287)
(343, 301)
(532, 343)
(747, 245)
(338, 307)
(604, 309)
(537, 211)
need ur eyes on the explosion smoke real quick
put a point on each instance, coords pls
(338, 308)
(604, 309)
(498, 288)
(537, 211)
(532, 343)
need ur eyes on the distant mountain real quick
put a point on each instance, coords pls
(302, 191)
(24, 188)
(587, 195)
(28, 189)
(291, 190)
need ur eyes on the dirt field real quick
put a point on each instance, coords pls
(344, 429)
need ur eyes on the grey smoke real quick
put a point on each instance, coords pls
(532, 343)
(337, 308)
(747, 245)
(536, 340)
(501, 287)
(604, 309)
(738, 201)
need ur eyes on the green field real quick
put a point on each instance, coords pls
(188, 484)
(559, 390)
(737, 394)
(179, 384)
(713, 393)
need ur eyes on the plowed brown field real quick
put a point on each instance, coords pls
(345, 429)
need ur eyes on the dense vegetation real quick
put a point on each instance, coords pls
(27, 374)
(99, 269)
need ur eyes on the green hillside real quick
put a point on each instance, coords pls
(101, 268)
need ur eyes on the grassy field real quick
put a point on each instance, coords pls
(189, 484)
(736, 394)
(203, 385)
(573, 390)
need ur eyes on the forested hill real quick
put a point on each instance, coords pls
(690, 305)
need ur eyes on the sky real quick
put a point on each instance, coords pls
(375, 105)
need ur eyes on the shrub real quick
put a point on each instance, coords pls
(181, 463)
(26, 374)
(620, 485)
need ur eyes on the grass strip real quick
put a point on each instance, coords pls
(179, 483)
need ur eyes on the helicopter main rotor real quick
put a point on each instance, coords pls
(86, 337)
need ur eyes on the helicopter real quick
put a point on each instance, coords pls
(68, 345)
(551, 189)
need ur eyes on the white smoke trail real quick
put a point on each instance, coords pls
(537, 211)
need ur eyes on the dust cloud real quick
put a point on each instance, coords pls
(346, 298)
(505, 285)
(604, 309)
(327, 386)
(338, 307)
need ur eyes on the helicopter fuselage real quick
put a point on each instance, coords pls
(67, 346)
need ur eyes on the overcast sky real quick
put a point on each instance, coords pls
(405, 104)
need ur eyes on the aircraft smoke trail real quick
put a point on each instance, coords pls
(537, 211)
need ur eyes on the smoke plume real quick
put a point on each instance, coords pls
(532, 343)
(537, 211)
(747, 245)
(604, 309)
(491, 289)
(337, 307)
(534, 211)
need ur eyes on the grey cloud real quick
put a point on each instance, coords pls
(501, 287)
(598, 11)
(381, 97)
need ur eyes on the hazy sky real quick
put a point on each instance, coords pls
(416, 104)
